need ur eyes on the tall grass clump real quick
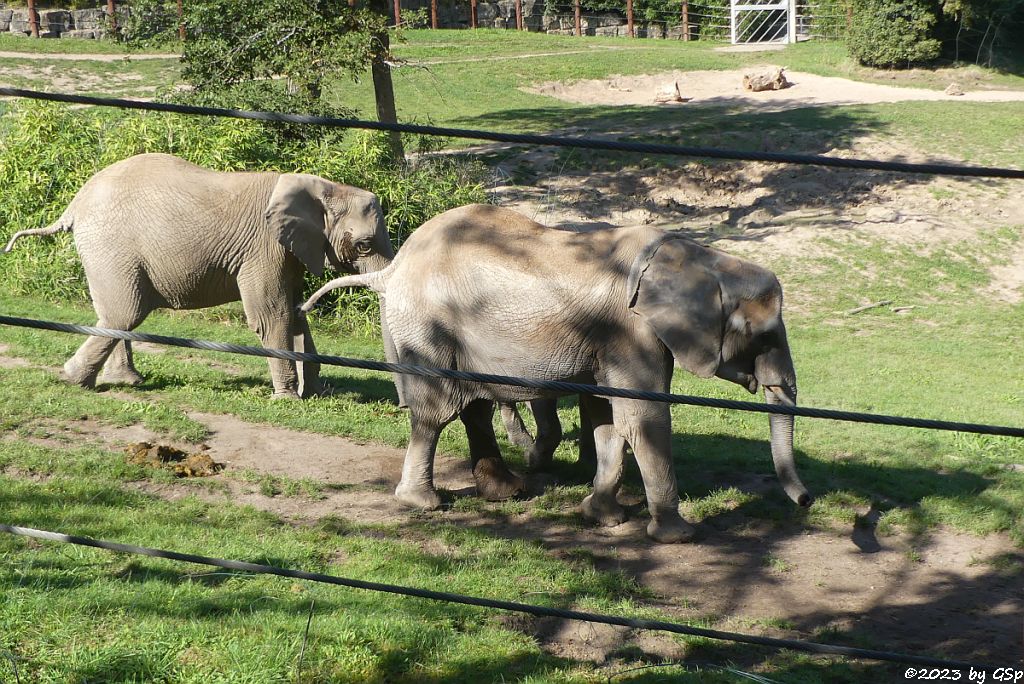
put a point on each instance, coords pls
(48, 151)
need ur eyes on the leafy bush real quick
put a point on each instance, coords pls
(893, 33)
(47, 151)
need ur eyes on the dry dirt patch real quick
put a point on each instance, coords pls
(702, 88)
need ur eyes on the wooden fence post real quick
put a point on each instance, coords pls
(686, 20)
(472, 13)
(433, 14)
(181, 22)
(519, 15)
(629, 18)
(33, 19)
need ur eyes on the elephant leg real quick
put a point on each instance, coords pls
(308, 373)
(494, 481)
(416, 489)
(84, 367)
(647, 428)
(517, 432)
(270, 316)
(588, 449)
(120, 366)
(549, 433)
(602, 506)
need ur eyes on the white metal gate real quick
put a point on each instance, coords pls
(762, 21)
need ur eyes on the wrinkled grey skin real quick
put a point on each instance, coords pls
(486, 289)
(155, 231)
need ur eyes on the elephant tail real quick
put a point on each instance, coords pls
(63, 224)
(376, 281)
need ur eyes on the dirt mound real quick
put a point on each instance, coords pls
(175, 460)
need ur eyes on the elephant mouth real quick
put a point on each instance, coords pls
(745, 380)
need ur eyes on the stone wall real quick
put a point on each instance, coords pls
(502, 14)
(90, 23)
(55, 23)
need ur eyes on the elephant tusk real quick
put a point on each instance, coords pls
(780, 394)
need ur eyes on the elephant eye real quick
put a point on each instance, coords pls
(364, 247)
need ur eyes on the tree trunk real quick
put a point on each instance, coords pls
(33, 19)
(383, 89)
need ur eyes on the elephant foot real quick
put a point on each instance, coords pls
(313, 389)
(604, 511)
(425, 498)
(284, 394)
(121, 376)
(668, 527)
(495, 482)
(76, 375)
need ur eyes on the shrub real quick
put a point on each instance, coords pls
(47, 151)
(893, 33)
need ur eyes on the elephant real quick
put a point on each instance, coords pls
(484, 288)
(155, 231)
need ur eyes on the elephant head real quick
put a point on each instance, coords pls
(326, 224)
(722, 316)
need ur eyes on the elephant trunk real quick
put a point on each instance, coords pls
(782, 444)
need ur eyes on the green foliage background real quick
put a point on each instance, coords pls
(887, 33)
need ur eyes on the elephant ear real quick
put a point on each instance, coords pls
(673, 289)
(296, 217)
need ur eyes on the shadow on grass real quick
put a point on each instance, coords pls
(970, 614)
(364, 390)
(701, 190)
(907, 628)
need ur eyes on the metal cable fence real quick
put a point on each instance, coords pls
(553, 386)
(529, 139)
(540, 611)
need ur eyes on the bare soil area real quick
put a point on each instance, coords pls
(945, 592)
(770, 211)
(719, 88)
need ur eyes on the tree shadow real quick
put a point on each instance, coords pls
(698, 194)
(966, 615)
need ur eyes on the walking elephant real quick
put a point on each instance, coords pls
(486, 289)
(155, 231)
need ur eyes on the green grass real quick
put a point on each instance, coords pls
(74, 46)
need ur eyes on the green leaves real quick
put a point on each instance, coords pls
(234, 42)
(893, 33)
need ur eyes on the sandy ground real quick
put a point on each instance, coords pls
(717, 88)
